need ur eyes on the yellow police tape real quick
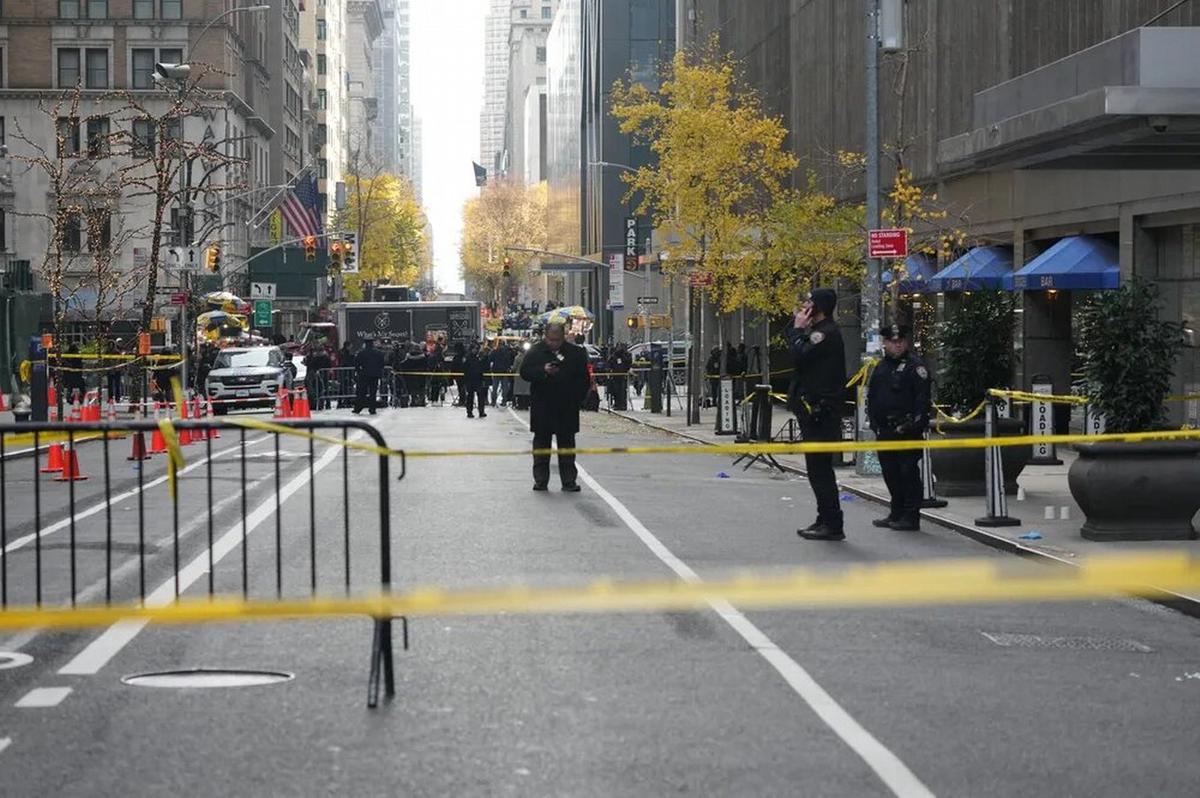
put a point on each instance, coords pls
(943, 416)
(972, 581)
(811, 447)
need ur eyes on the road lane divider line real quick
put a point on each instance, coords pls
(5, 742)
(25, 540)
(100, 651)
(43, 697)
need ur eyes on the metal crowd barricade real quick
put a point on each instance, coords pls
(80, 527)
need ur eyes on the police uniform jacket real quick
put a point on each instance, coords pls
(819, 357)
(370, 363)
(554, 401)
(898, 397)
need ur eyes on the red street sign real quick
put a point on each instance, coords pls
(888, 243)
(700, 279)
(179, 299)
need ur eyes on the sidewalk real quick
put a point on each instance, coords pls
(1042, 487)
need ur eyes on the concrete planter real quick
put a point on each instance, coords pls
(960, 472)
(1137, 491)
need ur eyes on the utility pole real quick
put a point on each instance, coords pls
(871, 295)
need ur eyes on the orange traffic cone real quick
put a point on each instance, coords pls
(3, 402)
(76, 411)
(70, 470)
(185, 435)
(54, 459)
(300, 404)
(158, 444)
(212, 431)
(281, 404)
(139, 447)
(51, 395)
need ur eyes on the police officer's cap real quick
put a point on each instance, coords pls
(824, 300)
(894, 332)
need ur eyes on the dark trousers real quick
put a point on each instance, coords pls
(820, 468)
(902, 474)
(473, 394)
(567, 472)
(619, 391)
(366, 394)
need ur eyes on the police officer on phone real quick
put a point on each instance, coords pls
(816, 396)
(898, 405)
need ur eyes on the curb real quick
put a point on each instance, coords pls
(1185, 605)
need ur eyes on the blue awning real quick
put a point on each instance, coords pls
(1078, 263)
(982, 268)
(919, 271)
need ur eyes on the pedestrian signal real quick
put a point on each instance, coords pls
(310, 248)
(212, 258)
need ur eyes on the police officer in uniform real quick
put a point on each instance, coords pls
(816, 396)
(898, 403)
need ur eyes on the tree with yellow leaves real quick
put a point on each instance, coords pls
(505, 214)
(720, 168)
(384, 213)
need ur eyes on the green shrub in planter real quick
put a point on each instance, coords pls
(975, 349)
(1128, 356)
(1132, 491)
(975, 353)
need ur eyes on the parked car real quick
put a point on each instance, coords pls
(248, 377)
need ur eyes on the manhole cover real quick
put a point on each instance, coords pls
(207, 677)
(1072, 643)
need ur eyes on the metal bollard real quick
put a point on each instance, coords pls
(929, 497)
(997, 502)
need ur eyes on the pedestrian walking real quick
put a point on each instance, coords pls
(558, 380)
(317, 364)
(368, 369)
(898, 403)
(456, 368)
(475, 366)
(816, 397)
(434, 356)
(618, 383)
(501, 364)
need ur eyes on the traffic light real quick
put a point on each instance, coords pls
(310, 248)
(634, 322)
(212, 259)
(507, 267)
(335, 256)
(348, 255)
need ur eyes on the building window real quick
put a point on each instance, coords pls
(67, 129)
(143, 60)
(143, 137)
(71, 232)
(143, 9)
(171, 9)
(1, 130)
(322, 65)
(547, 13)
(3, 232)
(524, 13)
(68, 69)
(541, 55)
(322, 99)
(97, 9)
(322, 32)
(323, 168)
(97, 136)
(322, 133)
(99, 231)
(97, 69)
(170, 55)
(68, 9)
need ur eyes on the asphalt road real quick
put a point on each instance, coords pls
(1102, 701)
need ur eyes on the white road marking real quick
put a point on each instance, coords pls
(13, 659)
(100, 651)
(894, 773)
(25, 540)
(42, 697)
(5, 742)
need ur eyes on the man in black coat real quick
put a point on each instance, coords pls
(898, 405)
(475, 366)
(619, 365)
(816, 396)
(368, 369)
(558, 383)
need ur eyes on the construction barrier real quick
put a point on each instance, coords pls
(109, 561)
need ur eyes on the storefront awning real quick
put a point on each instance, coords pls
(919, 270)
(983, 268)
(1078, 263)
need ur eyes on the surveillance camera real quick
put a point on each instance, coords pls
(1159, 124)
(171, 71)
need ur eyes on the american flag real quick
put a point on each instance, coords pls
(301, 208)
